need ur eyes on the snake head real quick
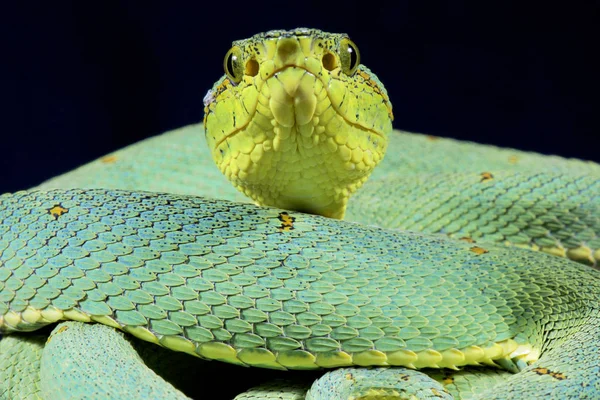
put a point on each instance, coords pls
(297, 122)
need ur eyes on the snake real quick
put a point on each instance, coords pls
(308, 251)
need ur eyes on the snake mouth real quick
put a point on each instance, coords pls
(329, 97)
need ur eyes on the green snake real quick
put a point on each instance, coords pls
(460, 271)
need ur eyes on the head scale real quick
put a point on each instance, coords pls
(297, 122)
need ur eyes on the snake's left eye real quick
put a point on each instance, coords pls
(349, 56)
(232, 64)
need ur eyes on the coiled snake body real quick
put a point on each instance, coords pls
(297, 123)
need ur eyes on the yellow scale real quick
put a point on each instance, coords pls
(293, 359)
(288, 124)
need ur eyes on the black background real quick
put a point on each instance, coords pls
(80, 80)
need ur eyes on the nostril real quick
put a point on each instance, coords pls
(252, 68)
(328, 61)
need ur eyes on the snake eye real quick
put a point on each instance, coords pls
(233, 64)
(349, 56)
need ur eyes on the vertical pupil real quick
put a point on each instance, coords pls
(230, 60)
(353, 58)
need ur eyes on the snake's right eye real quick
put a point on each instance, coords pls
(233, 64)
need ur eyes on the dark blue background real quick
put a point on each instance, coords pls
(80, 80)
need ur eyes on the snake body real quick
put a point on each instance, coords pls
(273, 288)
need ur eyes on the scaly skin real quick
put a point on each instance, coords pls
(274, 288)
(20, 366)
(304, 127)
(268, 296)
(557, 213)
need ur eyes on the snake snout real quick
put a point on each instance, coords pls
(293, 97)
